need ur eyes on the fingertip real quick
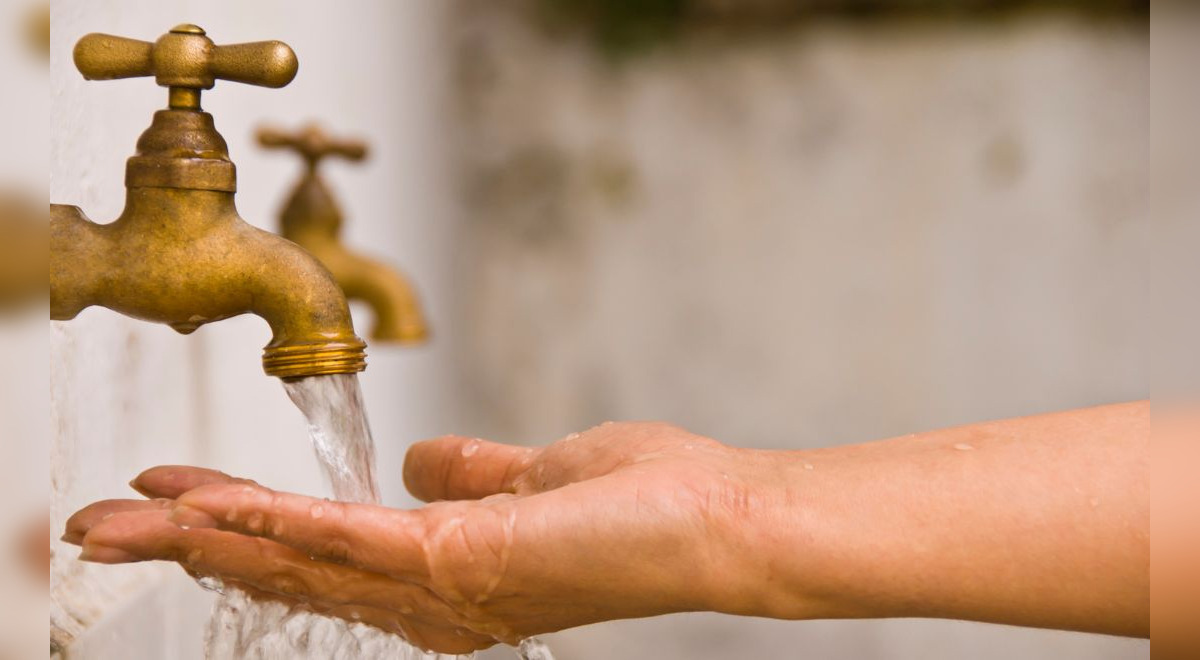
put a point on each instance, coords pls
(114, 533)
(83, 520)
(455, 467)
(80, 523)
(171, 481)
(100, 554)
(158, 481)
(74, 529)
(423, 456)
(138, 488)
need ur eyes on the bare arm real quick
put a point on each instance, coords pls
(1041, 521)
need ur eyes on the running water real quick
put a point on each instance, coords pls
(245, 629)
(341, 436)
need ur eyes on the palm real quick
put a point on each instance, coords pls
(517, 541)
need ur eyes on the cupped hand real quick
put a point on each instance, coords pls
(623, 520)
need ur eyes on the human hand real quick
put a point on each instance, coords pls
(623, 520)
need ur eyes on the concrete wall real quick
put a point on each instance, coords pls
(800, 236)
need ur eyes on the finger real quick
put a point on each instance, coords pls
(148, 535)
(84, 519)
(364, 536)
(268, 569)
(174, 480)
(458, 468)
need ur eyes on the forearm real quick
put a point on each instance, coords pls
(1040, 521)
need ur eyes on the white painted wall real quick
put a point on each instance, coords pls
(128, 395)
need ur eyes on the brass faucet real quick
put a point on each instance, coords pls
(179, 253)
(312, 219)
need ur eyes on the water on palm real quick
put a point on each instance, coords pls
(244, 628)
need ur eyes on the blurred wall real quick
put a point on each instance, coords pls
(127, 395)
(24, 407)
(795, 236)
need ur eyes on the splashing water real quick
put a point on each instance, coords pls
(244, 628)
(534, 649)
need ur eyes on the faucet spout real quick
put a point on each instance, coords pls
(312, 220)
(398, 316)
(185, 258)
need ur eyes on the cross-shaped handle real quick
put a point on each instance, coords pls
(311, 143)
(186, 61)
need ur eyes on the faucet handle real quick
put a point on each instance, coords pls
(312, 143)
(186, 61)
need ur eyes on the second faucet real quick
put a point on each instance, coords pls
(311, 218)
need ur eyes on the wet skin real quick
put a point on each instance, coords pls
(638, 519)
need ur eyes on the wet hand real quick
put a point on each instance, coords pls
(623, 520)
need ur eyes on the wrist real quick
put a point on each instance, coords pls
(776, 550)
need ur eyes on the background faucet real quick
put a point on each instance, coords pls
(179, 253)
(312, 219)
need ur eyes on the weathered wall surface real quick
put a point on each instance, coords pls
(127, 395)
(818, 234)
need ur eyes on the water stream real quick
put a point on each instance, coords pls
(244, 628)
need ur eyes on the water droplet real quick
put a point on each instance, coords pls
(277, 527)
(185, 527)
(254, 523)
(316, 511)
(569, 438)
(194, 555)
(470, 448)
(231, 516)
(211, 584)
(962, 446)
(247, 489)
(808, 466)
